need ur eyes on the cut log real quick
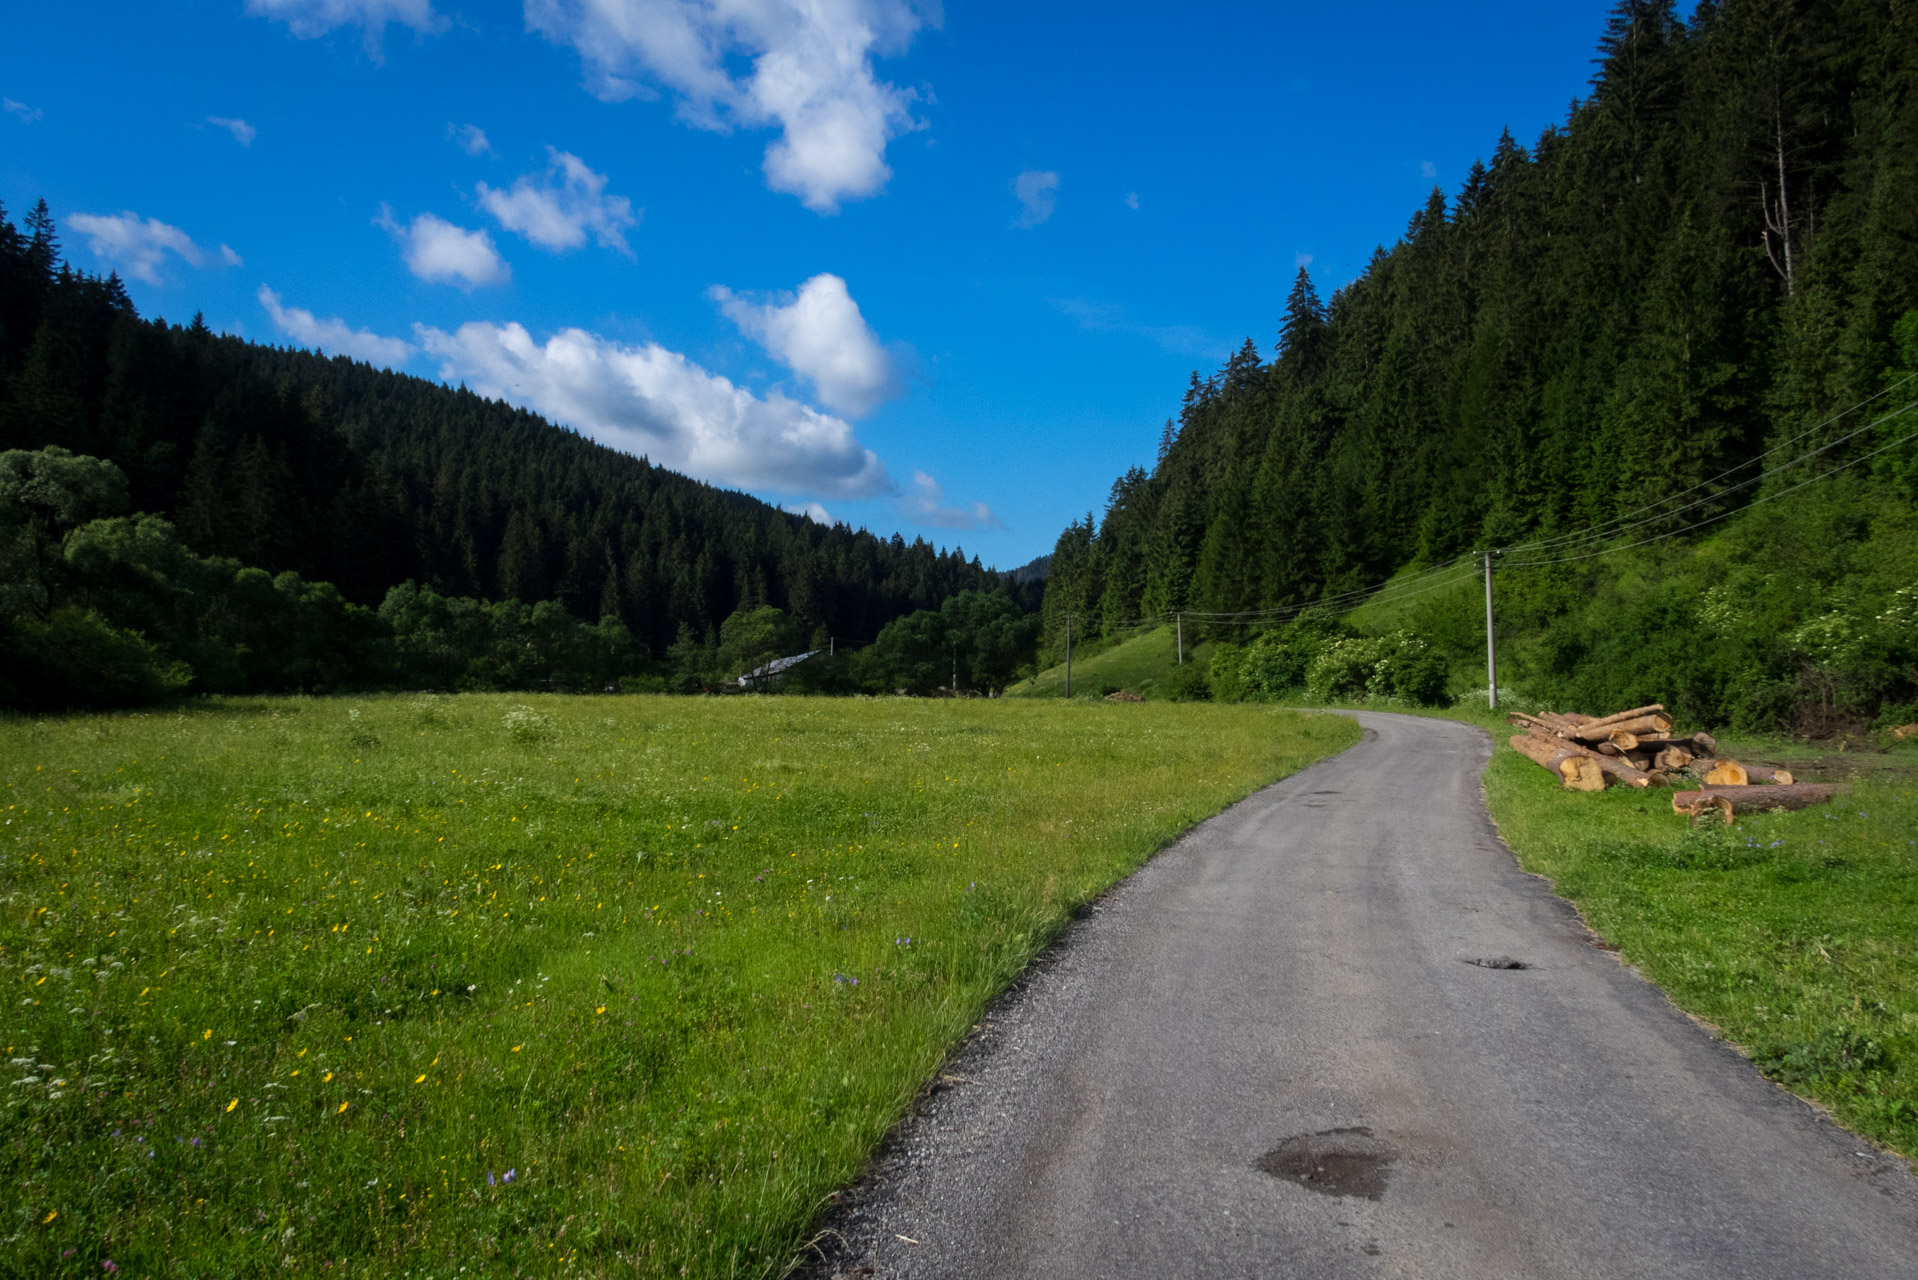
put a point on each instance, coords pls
(1703, 745)
(1621, 716)
(1609, 749)
(1576, 771)
(1574, 718)
(1654, 722)
(1726, 773)
(1761, 773)
(1617, 768)
(1645, 760)
(1672, 759)
(1733, 801)
(1521, 720)
(1625, 741)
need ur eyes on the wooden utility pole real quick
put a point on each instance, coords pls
(1491, 644)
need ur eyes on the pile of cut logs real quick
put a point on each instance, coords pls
(1638, 748)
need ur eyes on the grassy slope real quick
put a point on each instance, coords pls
(298, 981)
(1138, 664)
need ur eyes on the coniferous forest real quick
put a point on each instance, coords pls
(232, 515)
(1663, 314)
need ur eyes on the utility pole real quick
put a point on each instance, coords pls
(1068, 657)
(1179, 621)
(1491, 643)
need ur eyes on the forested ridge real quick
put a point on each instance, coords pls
(288, 460)
(1709, 262)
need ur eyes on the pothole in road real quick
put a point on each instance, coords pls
(1333, 1162)
(1498, 962)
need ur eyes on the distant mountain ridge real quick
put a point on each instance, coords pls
(366, 478)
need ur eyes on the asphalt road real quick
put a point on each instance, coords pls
(1287, 987)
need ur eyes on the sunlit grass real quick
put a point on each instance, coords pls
(530, 985)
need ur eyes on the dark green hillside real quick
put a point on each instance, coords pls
(287, 460)
(1606, 337)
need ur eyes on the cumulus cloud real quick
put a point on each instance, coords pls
(819, 334)
(437, 250)
(1037, 192)
(139, 246)
(925, 504)
(648, 400)
(470, 138)
(26, 113)
(1132, 200)
(812, 511)
(310, 18)
(243, 133)
(557, 210)
(1428, 169)
(811, 75)
(333, 335)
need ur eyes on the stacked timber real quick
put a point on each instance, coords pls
(1639, 748)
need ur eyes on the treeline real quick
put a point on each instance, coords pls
(100, 608)
(287, 461)
(1698, 270)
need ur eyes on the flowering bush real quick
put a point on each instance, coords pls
(528, 727)
(1399, 667)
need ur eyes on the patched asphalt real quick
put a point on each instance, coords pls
(1262, 1056)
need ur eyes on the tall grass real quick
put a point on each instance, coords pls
(528, 986)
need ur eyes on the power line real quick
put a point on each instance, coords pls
(1604, 529)
(1770, 497)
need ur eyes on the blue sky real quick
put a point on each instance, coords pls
(938, 271)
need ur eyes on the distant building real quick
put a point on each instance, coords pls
(772, 673)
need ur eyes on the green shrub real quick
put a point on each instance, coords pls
(1223, 674)
(76, 658)
(1187, 683)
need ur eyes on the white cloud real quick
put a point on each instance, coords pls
(231, 258)
(243, 133)
(648, 400)
(1132, 200)
(139, 246)
(556, 214)
(820, 335)
(1037, 192)
(811, 75)
(925, 504)
(1427, 168)
(26, 113)
(437, 250)
(332, 335)
(812, 511)
(470, 138)
(1301, 260)
(310, 18)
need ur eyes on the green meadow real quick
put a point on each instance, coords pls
(531, 985)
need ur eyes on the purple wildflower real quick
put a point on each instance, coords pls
(489, 1179)
(110, 1266)
(510, 1175)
